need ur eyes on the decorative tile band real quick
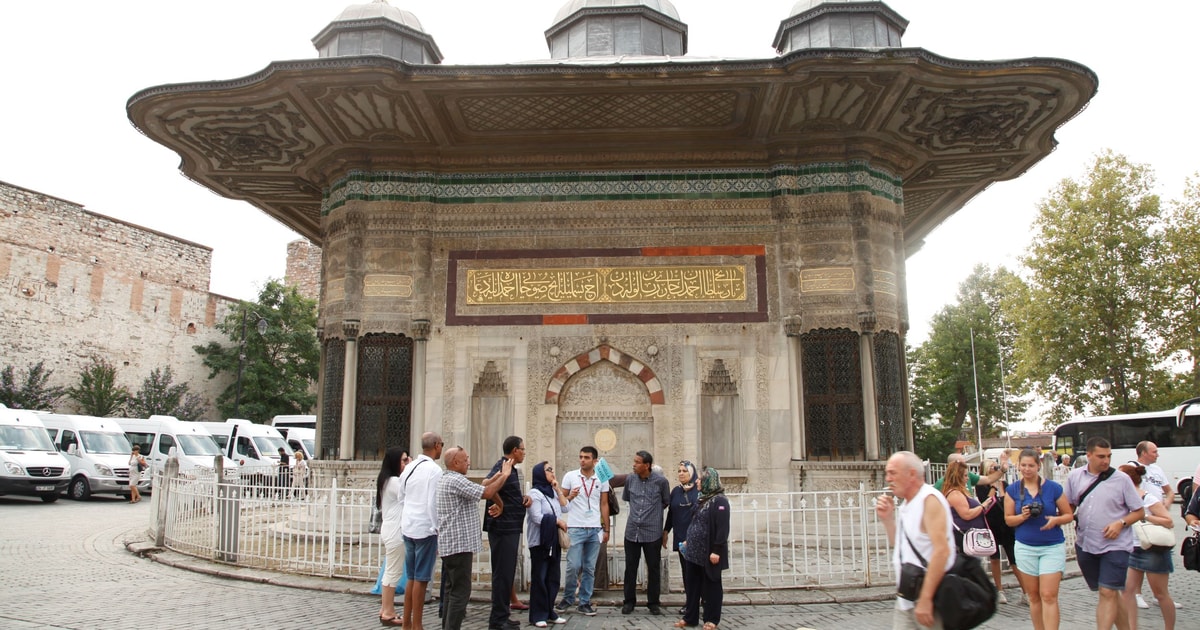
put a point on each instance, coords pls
(630, 185)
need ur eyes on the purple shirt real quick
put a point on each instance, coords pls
(1112, 500)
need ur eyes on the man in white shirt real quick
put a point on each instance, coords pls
(925, 528)
(419, 522)
(587, 525)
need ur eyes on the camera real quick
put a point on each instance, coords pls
(1035, 510)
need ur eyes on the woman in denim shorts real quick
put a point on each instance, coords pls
(1155, 563)
(1036, 510)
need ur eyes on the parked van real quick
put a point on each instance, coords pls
(98, 451)
(158, 435)
(283, 424)
(248, 443)
(304, 440)
(29, 464)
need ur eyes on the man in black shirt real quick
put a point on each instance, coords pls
(504, 528)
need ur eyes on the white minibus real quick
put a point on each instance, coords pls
(284, 424)
(303, 440)
(162, 436)
(98, 451)
(29, 463)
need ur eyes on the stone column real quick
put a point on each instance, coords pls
(350, 328)
(792, 328)
(420, 332)
(866, 362)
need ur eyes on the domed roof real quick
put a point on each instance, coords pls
(804, 5)
(662, 6)
(379, 9)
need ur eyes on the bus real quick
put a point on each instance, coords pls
(1175, 431)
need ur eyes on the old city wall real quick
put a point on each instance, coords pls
(75, 284)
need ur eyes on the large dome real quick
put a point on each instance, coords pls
(377, 28)
(379, 9)
(804, 5)
(662, 6)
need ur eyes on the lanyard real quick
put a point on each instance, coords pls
(587, 492)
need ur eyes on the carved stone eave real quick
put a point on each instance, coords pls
(947, 128)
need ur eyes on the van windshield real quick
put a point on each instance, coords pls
(198, 444)
(269, 445)
(310, 445)
(14, 438)
(103, 443)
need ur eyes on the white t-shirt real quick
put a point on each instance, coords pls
(1154, 480)
(585, 507)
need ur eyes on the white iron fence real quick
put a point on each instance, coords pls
(777, 540)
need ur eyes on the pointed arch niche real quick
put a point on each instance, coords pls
(605, 398)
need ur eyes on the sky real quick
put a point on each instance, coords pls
(69, 66)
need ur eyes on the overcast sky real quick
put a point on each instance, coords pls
(69, 66)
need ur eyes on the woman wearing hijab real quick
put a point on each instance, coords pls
(679, 511)
(543, 522)
(706, 553)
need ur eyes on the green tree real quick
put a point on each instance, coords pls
(278, 365)
(1087, 314)
(1177, 294)
(97, 391)
(30, 392)
(160, 395)
(944, 373)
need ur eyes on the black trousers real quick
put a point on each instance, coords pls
(698, 587)
(633, 553)
(546, 572)
(504, 572)
(456, 585)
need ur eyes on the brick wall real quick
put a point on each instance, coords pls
(75, 284)
(304, 268)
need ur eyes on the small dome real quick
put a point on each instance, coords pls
(617, 28)
(840, 24)
(377, 28)
(662, 6)
(380, 9)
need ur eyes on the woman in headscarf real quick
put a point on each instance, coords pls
(543, 522)
(679, 511)
(706, 553)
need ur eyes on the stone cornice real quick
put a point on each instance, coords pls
(282, 137)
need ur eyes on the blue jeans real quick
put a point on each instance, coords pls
(581, 563)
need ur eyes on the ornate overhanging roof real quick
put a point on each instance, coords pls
(947, 128)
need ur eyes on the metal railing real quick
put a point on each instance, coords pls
(777, 540)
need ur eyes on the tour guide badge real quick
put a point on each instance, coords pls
(603, 471)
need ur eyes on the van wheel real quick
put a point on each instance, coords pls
(49, 498)
(80, 490)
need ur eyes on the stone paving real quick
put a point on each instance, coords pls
(66, 565)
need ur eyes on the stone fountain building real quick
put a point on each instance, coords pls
(620, 245)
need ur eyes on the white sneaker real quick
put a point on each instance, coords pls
(1141, 601)
(1001, 598)
(559, 620)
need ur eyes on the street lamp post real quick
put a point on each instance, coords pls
(1107, 383)
(262, 329)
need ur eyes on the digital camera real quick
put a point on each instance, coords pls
(1035, 510)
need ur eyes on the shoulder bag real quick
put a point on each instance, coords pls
(1151, 536)
(1104, 475)
(1191, 552)
(965, 598)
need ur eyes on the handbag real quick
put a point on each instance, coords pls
(564, 540)
(376, 520)
(614, 506)
(1150, 535)
(1190, 550)
(979, 542)
(965, 598)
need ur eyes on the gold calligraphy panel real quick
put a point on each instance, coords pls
(381, 285)
(827, 279)
(716, 283)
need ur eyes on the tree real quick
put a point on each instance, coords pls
(278, 366)
(1177, 294)
(945, 373)
(1085, 319)
(159, 395)
(97, 391)
(32, 392)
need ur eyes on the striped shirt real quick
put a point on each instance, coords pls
(458, 515)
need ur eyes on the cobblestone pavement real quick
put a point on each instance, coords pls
(66, 565)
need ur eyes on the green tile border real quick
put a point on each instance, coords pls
(640, 185)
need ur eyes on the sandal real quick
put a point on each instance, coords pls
(682, 624)
(394, 621)
(519, 606)
(710, 626)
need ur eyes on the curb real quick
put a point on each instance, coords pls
(776, 597)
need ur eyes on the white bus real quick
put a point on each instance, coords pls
(1175, 431)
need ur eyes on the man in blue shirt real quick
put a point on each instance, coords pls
(648, 494)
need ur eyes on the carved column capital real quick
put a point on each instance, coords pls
(350, 328)
(420, 329)
(867, 320)
(793, 326)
